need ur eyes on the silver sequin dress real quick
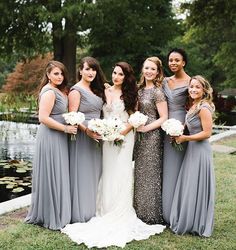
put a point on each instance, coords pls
(148, 154)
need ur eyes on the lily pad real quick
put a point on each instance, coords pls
(18, 190)
(21, 170)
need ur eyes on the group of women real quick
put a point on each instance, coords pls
(93, 193)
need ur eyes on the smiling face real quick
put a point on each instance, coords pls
(118, 76)
(150, 70)
(88, 74)
(176, 62)
(56, 76)
(195, 90)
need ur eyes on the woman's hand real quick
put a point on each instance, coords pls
(69, 129)
(179, 139)
(92, 135)
(142, 129)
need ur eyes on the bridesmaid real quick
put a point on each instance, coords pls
(86, 96)
(193, 204)
(50, 205)
(175, 89)
(148, 150)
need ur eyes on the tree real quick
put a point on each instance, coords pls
(29, 28)
(213, 30)
(130, 30)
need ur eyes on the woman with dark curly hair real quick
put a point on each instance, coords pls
(116, 222)
(148, 150)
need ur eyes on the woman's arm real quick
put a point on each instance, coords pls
(206, 121)
(163, 113)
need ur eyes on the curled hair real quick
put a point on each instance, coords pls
(160, 75)
(49, 67)
(97, 85)
(181, 52)
(207, 90)
(129, 87)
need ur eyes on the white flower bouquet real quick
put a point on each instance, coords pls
(137, 119)
(173, 127)
(109, 129)
(74, 118)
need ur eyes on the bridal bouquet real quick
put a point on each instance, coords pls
(173, 127)
(74, 118)
(137, 119)
(109, 129)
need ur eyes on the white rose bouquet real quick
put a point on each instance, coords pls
(74, 118)
(109, 129)
(173, 127)
(137, 119)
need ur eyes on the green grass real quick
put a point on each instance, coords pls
(16, 235)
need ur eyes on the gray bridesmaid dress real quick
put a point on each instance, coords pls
(51, 206)
(176, 100)
(193, 204)
(85, 161)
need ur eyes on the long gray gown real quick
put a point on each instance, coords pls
(193, 204)
(148, 154)
(85, 161)
(176, 100)
(50, 206)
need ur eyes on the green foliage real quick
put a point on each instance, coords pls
(211, 27)
(17, 107)
(130, 30)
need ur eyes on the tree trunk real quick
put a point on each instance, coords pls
(69, 55)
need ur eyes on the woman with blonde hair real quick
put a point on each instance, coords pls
(192, 209)
(148, 150)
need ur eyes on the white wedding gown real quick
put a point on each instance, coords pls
(116, 222)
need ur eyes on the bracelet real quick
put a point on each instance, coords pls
(65, 129)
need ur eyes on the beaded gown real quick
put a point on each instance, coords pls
(172, 159)
(85, 161)
(116, 222)
(192, 209)
(148, 153)
(50, 205)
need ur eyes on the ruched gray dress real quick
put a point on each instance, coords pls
(176, 100)
(193, 203)
(51, 206)
(85, 161)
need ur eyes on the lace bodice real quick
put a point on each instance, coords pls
(115, 109)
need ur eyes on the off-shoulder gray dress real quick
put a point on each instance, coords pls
(51, 206)
(85, 161)
(148, 154)
(176, 100)
(193, 203)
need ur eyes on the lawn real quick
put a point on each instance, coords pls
(16, 235)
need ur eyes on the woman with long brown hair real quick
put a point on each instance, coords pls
(86, 96)
(51, 207)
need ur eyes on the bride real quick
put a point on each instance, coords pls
(116, 222)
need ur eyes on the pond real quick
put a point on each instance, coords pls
(17, 142)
